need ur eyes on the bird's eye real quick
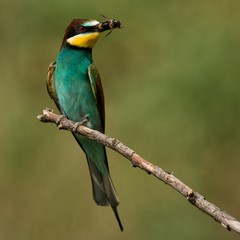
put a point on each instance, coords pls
(81, 29)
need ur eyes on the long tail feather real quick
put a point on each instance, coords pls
(103, 189)
(104, 192)
(117, 217)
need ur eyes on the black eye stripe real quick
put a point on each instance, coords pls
(79, 29)
(71, 33)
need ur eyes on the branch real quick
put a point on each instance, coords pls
(192, 196)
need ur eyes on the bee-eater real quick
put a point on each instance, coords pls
(75, 86)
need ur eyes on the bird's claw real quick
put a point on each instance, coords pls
(75, 126)
(81, 123)
(59, 120)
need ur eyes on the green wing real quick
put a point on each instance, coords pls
(97, 90)
(50, 84)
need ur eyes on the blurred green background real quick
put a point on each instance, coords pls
(171, 81)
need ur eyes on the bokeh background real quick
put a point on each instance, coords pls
(171, 81)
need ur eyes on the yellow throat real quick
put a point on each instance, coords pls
(85, 40)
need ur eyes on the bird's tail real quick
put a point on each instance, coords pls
(104, 192)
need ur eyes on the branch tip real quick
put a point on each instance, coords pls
(40, 116)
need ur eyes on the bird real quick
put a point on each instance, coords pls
(74, 84)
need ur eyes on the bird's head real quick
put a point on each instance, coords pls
(84, 33)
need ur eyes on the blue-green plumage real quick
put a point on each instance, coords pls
(75, 86)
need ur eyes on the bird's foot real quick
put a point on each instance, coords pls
(58, 121)
(84, 122)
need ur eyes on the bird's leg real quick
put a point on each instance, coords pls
(59, 120)
(85, 122)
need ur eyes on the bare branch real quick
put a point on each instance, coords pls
(192, 196)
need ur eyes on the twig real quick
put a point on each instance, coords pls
(192, 196)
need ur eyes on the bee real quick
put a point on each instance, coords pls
(110, 24)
